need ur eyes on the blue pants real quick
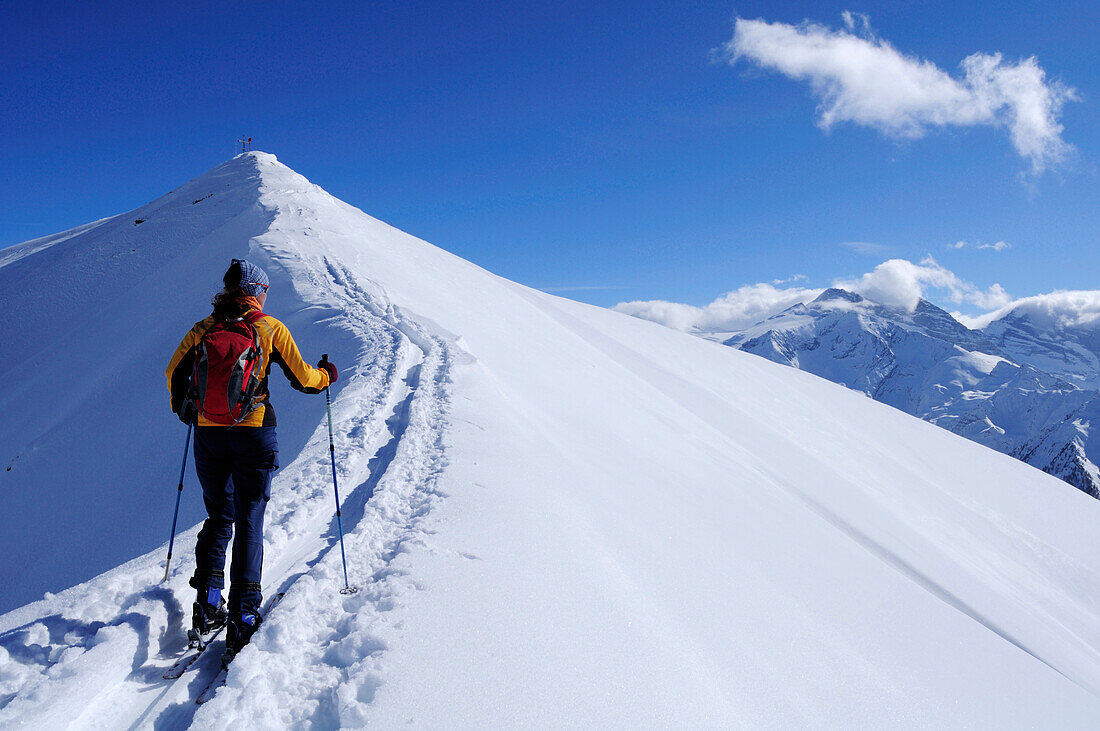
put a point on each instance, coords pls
(235, 466)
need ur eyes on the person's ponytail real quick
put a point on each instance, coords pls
(230, 303)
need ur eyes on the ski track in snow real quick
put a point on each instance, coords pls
(322, 649)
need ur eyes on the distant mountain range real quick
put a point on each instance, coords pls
(1023, 385)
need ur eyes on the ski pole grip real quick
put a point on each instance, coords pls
(324, 357)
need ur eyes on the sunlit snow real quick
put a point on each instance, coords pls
(558, 515)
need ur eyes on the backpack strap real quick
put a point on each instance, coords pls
(251, 318)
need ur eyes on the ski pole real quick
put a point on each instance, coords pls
(179, 494)
(348, 588)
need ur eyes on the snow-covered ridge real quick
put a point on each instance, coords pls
(1016, 387)
(558, 515)
(1066, 348)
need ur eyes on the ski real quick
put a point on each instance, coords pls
(181, 666)
(212, 687)
(218, 680)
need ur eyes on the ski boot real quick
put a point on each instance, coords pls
(207, 615)
(238, 633)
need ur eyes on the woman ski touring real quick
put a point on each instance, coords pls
(218, 381)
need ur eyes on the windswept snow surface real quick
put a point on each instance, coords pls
(557, 516)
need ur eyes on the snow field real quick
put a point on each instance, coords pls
(321, 652)
(560, 516)
(89, 453)
(372, 412)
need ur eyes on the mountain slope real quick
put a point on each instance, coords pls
(929, 365)
(560, 515)
(1068, 350)
(84, 444)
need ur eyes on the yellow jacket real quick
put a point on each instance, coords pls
(278, 347)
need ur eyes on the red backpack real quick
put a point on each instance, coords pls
(228, 370)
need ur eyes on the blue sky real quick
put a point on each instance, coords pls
(600, 150)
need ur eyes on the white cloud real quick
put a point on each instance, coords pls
(789, 280)
(859, 23)
(734, 310)
(901, 283)
(1062, 308)
(997, 246)
(861, 78)
(866, 247)
(895, 282)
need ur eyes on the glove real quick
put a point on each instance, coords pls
(328, 367)
(189, 413)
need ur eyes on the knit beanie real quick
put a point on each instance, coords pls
(253, 279)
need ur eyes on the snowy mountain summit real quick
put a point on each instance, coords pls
(557, 515)
(1067, 349)
(987, 385)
